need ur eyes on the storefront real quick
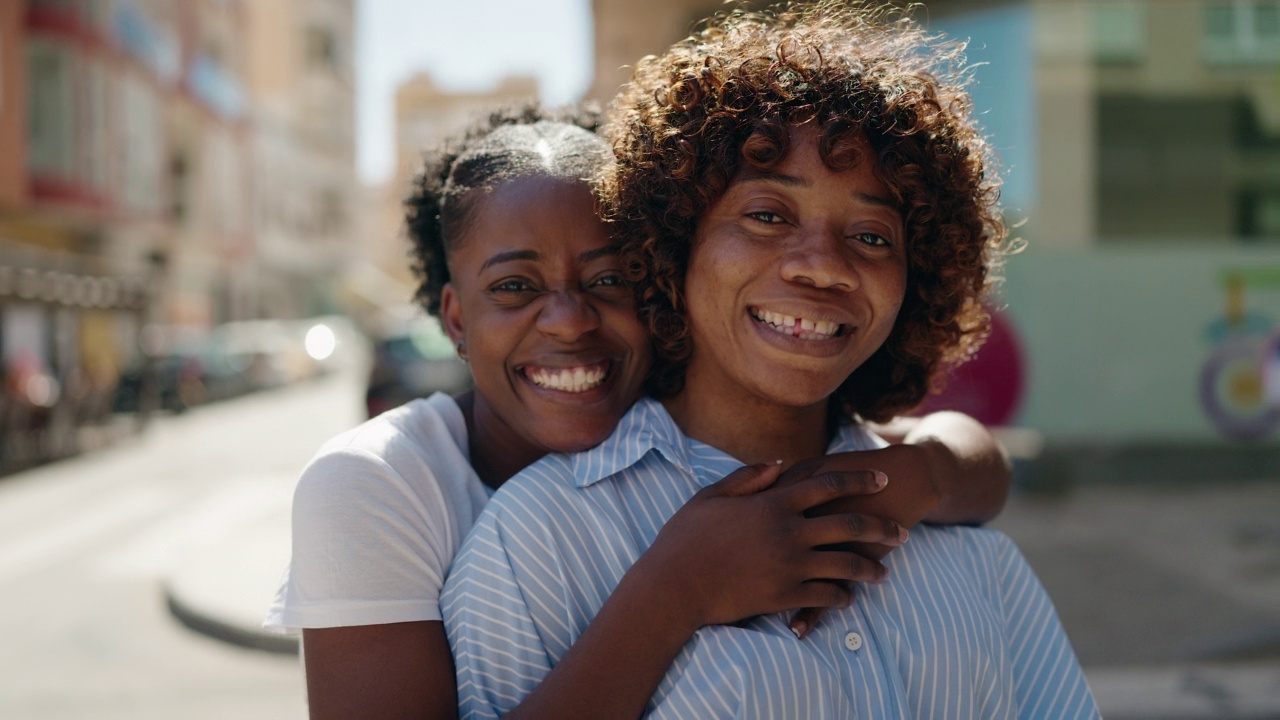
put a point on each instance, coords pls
(69, 330)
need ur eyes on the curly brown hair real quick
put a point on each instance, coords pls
(691, 117)
(500, 146)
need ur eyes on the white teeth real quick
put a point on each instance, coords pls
(573, 380)
(807, 330)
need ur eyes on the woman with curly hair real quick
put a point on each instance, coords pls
(809, 218)
(523, 275)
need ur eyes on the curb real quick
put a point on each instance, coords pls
(205, 624)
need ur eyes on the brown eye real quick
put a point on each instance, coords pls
(511, 286)
(871, 239)
(764, 216)
(610, 280)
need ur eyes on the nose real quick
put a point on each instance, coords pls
(818, 258)
(566, 316)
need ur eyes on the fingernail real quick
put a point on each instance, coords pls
(881, 479)
(799, 627)
(902, 534)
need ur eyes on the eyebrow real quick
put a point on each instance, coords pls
(514, 255)
(877, 201)
(510, 256)
(783, 179)
(793, 181)
(599, 252)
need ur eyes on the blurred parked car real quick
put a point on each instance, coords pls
(412, 361)
(191, 366)
(177, 358)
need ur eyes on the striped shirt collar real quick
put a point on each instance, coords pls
(648, 426)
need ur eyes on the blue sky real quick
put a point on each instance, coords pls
(465, 46)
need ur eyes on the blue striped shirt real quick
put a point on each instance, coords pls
(961, 629)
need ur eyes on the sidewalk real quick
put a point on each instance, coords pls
(1170, 593)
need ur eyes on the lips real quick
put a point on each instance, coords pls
(568, 379)
(798, 327)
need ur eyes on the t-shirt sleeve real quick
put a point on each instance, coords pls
(368, 547)
(1048, 679)
(489, 606)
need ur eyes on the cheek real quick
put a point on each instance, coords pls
(705, 284)
(890, 287)
(626, 328)
(491, 338)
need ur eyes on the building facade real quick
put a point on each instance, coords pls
(301, 80)
(425, 114)
(131, 179)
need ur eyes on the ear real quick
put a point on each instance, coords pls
(451, 313)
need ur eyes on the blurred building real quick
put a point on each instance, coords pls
(425, 114)
(132, 172)
(1141, 148)
(626, 31)
(302, 86)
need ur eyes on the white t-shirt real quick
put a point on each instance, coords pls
(378, 515)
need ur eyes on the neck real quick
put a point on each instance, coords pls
(750, 429)
(497, 453)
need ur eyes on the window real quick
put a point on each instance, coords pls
(1261, 215)
(321, 48)
(141, 153)
(96, 127)
(51, 139)
(1119, 32)
(1242, 32)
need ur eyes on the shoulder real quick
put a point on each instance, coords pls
(986, 556)
(963, 539)
(411, 452)
(427, 428)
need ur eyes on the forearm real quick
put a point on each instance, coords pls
(381, 672)
(615, 666)
(967, 465)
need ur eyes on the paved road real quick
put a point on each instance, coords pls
(85, 544)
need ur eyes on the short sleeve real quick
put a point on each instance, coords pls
(498, 653)
(1048, 679)
(368, 547)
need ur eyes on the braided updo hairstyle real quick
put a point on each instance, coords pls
(507, 144)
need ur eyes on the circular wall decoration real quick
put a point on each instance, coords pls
(1233, 390)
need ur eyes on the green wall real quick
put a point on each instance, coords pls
(1115, 337)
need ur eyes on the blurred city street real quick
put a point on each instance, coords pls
(1171, 593)
(86, 544)
(200, 201)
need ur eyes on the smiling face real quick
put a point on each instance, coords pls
(795, 278)
(549, 325)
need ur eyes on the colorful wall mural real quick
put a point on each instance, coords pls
(1240, 378)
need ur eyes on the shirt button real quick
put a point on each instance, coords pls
(853, 641)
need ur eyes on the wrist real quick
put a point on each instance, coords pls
(939, 472)
(660, 594)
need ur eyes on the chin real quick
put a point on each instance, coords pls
(800, 397)
(576, 439)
